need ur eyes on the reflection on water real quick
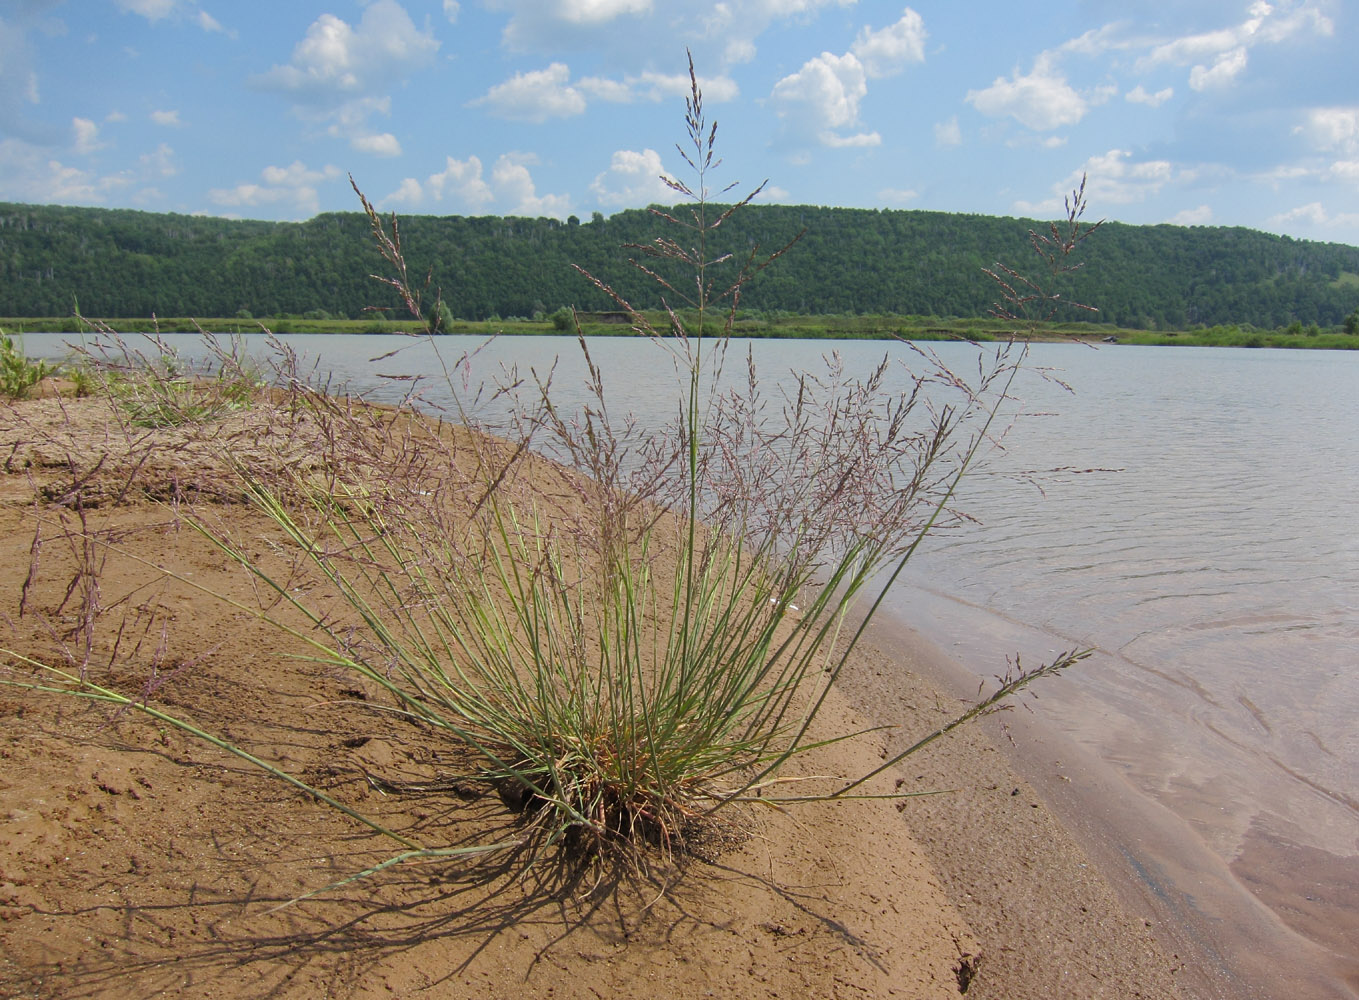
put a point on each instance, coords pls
(1210, 553)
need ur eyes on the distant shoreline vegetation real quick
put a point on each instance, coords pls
(124, 264)
(834, 327)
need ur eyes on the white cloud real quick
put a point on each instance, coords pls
(152, 10)
(28, 174)
(1139, 95)
(599, 11)
(350, 122)
(514, 187)
(294, 185)
(1226, 68)
(1218, 57)
(336, 62)
(1111, 179)
(170, 119)
(209, 23)
(1201, 216)
(1332, 128)
(1041, 100)
(86, 135)
(652, 86)
(463, 181)
(1317, 215)
(160, 162)
(859, 140)
(451, 8)
(379, 144)
(888, 50)
(535, 96)
(409, 193)
(1344, 170)
(822, 99)
(898, 196)
(633, 180)
(948, 133)
(535, 23)
(1312, 212)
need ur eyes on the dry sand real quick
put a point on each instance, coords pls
(136, 860)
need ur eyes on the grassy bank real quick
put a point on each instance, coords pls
(833, 327)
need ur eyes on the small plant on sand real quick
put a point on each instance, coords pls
(155, 387)
(18, 374)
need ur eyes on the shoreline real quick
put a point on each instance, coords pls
(1231, 944)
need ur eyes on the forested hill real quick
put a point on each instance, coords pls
(120, 263)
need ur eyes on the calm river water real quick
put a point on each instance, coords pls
(1211, 557)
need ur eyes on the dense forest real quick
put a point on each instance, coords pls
(121, 263)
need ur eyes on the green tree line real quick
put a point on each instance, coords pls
(122, 263)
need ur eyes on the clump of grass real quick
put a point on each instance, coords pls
(627, 629)
(153, 386)
(654, 642)
(18, 374)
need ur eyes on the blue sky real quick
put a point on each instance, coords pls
(1195, 112)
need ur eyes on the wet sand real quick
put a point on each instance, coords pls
(1223, 922)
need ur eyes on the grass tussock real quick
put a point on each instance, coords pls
(626, 629)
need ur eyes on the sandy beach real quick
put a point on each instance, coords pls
(137, 860)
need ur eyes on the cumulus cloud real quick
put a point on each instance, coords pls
(1139, 95)
(293, 185)
(338, 71)
(1332, 128)
(632, 180)
(535, 96)
(1041, 100)
(889, 50)
(1112, 178)
(86, 135)
(336, 62)
(820, 102)
(822, 99)
(1317, 215)
(461, 180)
(29, 174)
(377, 143)
(451, 9)
(1201, 216)
(514, 188)
(409, 193)
(170, 119)
(538, 95)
